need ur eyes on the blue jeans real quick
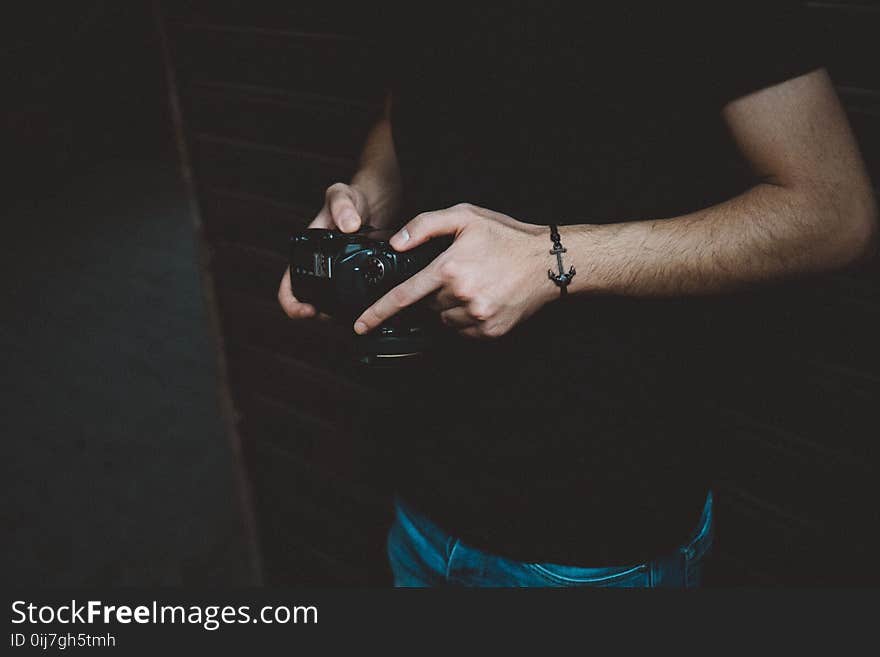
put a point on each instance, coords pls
(421, 554)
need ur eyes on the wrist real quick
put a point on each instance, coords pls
(381, 199)
(583, 252)
(561, 272)
(544, 290)
(587, 244)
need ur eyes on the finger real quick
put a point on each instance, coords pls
(427, 225)
(472, 332)
(458, 318)
(405, 294)
(443, 300)
(323, 220)
(343, 210)
(289, 303)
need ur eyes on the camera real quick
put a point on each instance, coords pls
(343, 274)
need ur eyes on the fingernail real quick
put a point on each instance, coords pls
(360, 328)
(348, 220)
(402, 237)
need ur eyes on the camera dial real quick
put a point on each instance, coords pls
(373, 270)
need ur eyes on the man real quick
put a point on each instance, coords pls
(687, 155)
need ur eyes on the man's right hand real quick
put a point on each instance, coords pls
(346, 209)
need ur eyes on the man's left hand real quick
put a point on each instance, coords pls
(493, 276)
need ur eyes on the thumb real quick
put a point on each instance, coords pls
(427, 226)
(346, 207)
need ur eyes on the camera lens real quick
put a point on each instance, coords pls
(374, 270)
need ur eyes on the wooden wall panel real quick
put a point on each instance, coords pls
(277, 98)
(328, 65)
(309, 125)
(252, 221)
(272, 172)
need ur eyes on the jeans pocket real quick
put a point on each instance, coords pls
(696, 550)
(623, 576)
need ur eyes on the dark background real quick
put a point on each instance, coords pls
(167, 424)
(118, 465)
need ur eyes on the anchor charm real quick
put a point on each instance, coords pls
(562, 279)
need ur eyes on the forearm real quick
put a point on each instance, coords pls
(768, 233)
(378, 174)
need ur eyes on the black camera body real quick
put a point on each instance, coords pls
(343, 274)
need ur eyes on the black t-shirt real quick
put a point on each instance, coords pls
(577, 437)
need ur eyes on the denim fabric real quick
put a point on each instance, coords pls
(421, 555)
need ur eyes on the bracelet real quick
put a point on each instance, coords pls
(562, 279)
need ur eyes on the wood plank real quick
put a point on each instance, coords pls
(319, 392)
(300, 505)
(263, 323)
(327, 17)
(252, 221)
(298, 123)
(281, 175)
(314, 63)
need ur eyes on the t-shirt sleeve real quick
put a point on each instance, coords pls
(760, 44)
